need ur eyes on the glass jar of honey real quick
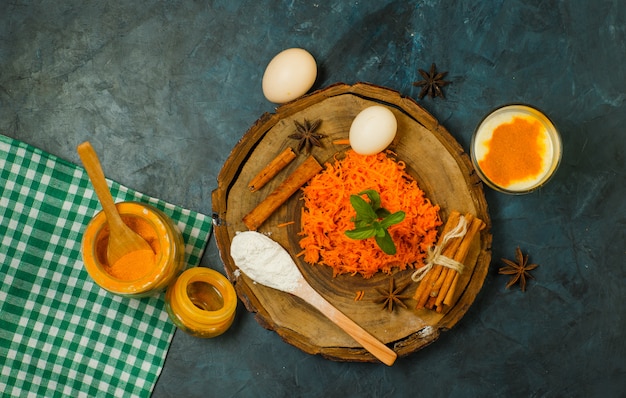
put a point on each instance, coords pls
(157, 229)
(201, 302)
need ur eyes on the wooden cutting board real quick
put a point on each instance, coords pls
(433, 157)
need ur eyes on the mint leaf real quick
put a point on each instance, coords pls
(382, 213)
(374, 198)
(361, 233)
(386, 243)
(372, 220)
(392, 219)
(360, 223)
(363, 209)
(380, 231)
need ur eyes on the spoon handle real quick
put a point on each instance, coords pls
(385, 354)
(96, 175)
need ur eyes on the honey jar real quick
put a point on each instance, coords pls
(157, 229)
(201, 302)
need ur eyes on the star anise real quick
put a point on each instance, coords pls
(305, 133)
(432, 83)
(520, 271)
(392, 296)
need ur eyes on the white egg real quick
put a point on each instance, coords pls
(289, 75)
(372, 130)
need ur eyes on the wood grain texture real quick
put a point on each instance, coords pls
(433, 158)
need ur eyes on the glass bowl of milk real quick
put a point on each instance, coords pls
(516, 149)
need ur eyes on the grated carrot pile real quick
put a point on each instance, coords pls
(327, 214)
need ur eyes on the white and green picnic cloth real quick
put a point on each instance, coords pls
(60, 333)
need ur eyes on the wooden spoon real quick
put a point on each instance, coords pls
(122, 239)
(253, 251)
(385, 354)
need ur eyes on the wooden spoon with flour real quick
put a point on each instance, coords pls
(268, 263)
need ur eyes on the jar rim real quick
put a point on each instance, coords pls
(552, 131)
(154, 277)
(193, 315)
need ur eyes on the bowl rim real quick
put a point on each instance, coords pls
(553, 133)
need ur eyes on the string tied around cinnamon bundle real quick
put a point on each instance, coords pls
(435, 256)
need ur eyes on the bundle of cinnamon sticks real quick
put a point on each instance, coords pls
(437, 289)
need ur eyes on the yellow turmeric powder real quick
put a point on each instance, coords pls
(515, 152)
(135, 264)
(161, 233)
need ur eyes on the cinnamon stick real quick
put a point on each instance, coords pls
(437, 289)
(476, 226)
(422, 292)
(448, 251)
(271, 169)
(447, 283)
(447, 301)
(451, 251)
(428, 282)
(434, 291)
(275, 199)
(447, 291)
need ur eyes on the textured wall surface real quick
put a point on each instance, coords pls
(165, 89)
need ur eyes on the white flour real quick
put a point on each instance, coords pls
(265, 261)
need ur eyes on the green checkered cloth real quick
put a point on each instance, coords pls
(60, 333)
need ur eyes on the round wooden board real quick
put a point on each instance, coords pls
(433, 158)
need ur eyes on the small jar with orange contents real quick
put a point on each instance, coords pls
(516, 149)
(161, 234)
(201, 302)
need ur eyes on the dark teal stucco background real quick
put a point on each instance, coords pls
(165, 89)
